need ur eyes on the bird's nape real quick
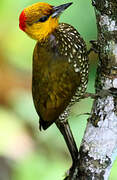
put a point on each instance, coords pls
(22, 19)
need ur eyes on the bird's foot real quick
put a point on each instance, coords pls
(94, 47)
(99, 94)
(91, 95)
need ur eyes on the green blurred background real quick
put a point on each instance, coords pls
(25, 152)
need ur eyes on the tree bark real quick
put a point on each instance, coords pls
(99, 145)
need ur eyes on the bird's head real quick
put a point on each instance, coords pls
(40, 19)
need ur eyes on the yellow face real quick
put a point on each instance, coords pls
(37, 21)
(41, 30)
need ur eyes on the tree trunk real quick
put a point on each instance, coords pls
(99, 145)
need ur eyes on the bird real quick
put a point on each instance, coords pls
(60, 67)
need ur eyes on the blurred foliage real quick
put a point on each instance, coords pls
(25, 152)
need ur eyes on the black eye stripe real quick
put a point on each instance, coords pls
(43, 19)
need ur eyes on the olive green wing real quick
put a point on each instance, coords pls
(54, 84)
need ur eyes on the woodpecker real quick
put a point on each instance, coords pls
(60, 66)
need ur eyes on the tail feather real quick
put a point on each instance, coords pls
(65, 129)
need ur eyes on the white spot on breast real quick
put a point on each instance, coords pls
(77, 69)
(62, 39)
(74, 51)
(68, 29)
(84, 70)
(76, 46)
(75, 65)
(72, 33)
(69, 45)
(79, 57)
(71, 55)
(69, 60)
(70, 38)
(82, 78)
(63, 45)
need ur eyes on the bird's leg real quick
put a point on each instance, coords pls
(94, 47)
(102, 93)
(64, 128)
(91, 95)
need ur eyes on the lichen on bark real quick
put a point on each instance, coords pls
(99, 145)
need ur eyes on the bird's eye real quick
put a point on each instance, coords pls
(43, 19)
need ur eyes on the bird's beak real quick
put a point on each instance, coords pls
(57, 10)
